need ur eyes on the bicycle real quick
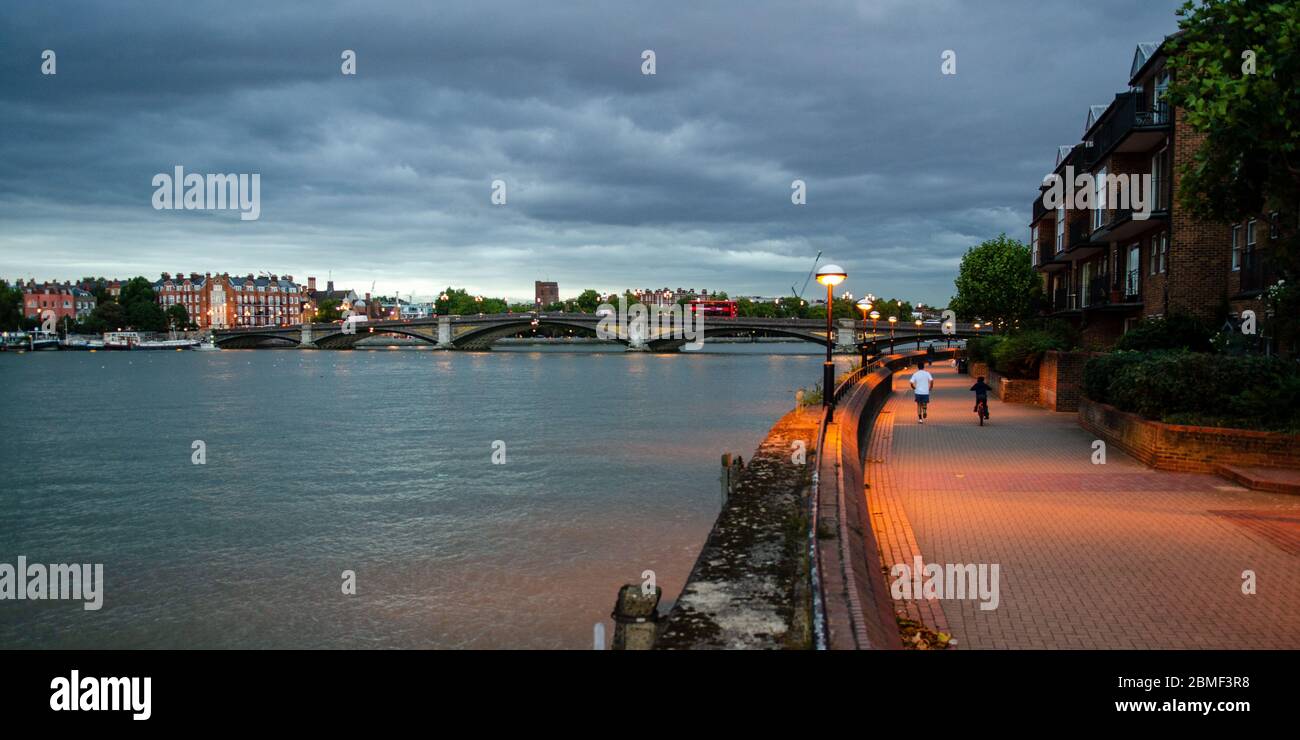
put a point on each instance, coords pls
(982, 409)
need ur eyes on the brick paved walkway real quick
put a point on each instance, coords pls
(1090, 556)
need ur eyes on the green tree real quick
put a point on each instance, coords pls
(996, 282)
(1249, 160)
(11, 306)
(107, 316)
(178, 317)
(142, 310)
(327, 311)
(588, 300)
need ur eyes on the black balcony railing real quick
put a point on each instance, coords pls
(1063, 299)
(1040, 210)
(1098, 291)
(1123, 118)
(1078, 232)
(1257, 270)
(1133, 285)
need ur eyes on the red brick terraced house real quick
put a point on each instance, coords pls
(222, 301)
(65, 300)
(1105, 270)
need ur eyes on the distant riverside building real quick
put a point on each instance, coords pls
(544, 294)
(65, 300)
(348, 300)
(1103, 269)
(670, 296)
(222, 301)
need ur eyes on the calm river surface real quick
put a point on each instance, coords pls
(375, 461)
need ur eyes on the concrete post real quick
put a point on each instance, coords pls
(636, 618)
(444, 332)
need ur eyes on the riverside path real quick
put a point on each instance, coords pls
(1112, 555)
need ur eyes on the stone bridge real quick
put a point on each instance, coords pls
(479, 332)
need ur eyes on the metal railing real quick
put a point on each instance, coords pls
(1133, 285)
(1078, 232)
(1123, 117)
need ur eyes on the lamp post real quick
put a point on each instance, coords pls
(892, 321)
(864, 306)
(830, 276)
(918, 323)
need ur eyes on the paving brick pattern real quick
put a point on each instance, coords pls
(897, 541)
(1091, 556)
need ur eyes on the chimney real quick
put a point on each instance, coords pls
(167, 276)
(329, 286)
(311, 284)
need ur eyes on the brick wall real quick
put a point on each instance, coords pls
(1200, 252)
(1010, 390)
(1187, 448)
(1060, 380)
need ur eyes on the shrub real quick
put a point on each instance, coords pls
(1019, 354)
(1175, 332)
(1179, 387)
(981, 349)
(1100, 370)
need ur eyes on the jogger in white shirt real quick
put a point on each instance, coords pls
(921, 383)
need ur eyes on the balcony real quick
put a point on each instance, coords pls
(1063, 300)
(1133, 286)
(1124, 128)
(1039, 210)
(1048, 259)
(1258, 271)
(1105, 293)
(1119, 224)
(1079, 242)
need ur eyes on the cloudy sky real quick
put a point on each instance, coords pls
(614, 179)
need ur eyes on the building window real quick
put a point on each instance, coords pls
(1250, 236)
(1236, 247)
(1161, 108)
(1154, 266)
(1060, 228)
(1273, 224)
(1164, 251)
(1159, 194)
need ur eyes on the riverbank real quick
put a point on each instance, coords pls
(749, 586)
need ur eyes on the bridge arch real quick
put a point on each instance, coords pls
(253, 341)
(338, 339)
(481, 338)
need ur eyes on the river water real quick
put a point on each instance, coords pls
(378, 462)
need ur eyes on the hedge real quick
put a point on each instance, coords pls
(1179, 387)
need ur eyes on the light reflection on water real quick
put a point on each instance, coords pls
(377, 462)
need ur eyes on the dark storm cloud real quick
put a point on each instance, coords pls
(615, 179)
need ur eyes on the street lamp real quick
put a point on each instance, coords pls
(864, 306)
(830, 276)
(892, 320)
(918, 323)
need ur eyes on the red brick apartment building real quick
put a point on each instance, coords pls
(1103, 269)
(222, 301)
(66, 300)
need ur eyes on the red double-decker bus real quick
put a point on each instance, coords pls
(724, 309)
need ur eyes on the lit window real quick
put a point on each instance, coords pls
(1236, 246)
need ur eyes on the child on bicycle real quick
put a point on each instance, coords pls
(981, 393)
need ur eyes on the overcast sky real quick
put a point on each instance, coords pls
(614, 179)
